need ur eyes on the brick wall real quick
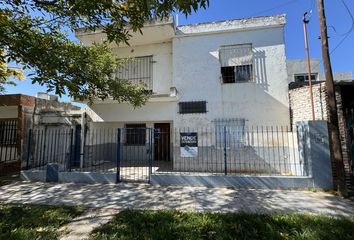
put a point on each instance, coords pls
(300, 104)
(300, 109)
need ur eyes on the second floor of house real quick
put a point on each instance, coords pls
(220, 60)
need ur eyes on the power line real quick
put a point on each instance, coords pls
(345, 35)
(352, 25)
(273, 8)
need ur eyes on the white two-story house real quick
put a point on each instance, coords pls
(210, 74)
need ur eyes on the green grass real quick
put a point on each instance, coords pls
(165, 224)
(29, 222)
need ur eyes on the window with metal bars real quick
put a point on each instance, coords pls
(230, 129)
(236, 63)
(8, 132)
(138, 70)
(304, 77)
(135, 134)
(192, 107)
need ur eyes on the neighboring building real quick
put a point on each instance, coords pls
(300, 107)
(19, 113)
(297, 71)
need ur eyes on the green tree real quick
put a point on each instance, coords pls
(34, 34)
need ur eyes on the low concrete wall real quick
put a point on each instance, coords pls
(266, 182)
(77, 177)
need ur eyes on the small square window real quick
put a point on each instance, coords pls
(236, 63)
(135, 134)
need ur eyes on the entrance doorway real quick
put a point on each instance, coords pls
(162, 142)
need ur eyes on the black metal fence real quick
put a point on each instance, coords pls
(9, 140)
(237, 150)
(135, 154)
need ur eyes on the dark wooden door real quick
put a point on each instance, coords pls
(162, 142)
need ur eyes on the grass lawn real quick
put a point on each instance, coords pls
(165, 224)
(29, 222)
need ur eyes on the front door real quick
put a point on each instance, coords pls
(162, 142)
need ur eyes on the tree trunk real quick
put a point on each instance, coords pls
(335, 143)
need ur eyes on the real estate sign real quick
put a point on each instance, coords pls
(189, 144)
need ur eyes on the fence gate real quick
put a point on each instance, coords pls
(134, 153)
(127, 152)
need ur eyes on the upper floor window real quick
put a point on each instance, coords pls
(236, 63)
(138, 70)
(304, 77)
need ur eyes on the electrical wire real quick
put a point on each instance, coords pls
(345, 35)
(273, 8)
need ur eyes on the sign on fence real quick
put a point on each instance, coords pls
(189, 144)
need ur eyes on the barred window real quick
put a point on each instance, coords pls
(138, 70)
(236, 63)
(231, 129)
(8, 132)
(304, 77)
(192, 107)
(135, 134)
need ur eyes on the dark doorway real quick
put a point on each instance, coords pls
(162, 142)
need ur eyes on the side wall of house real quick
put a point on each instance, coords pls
(197, 77)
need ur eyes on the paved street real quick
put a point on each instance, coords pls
(143, 196)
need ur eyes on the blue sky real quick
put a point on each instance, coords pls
(338, 20)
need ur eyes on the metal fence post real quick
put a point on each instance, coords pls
(118, 143)
(71, 148)
(225, 155)
(29, 148)
(150, 153)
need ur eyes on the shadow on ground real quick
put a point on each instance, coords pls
(144, 196)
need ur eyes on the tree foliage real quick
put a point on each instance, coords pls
(34, 34)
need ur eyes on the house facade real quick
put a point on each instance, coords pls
(203, 77)
(204, 73)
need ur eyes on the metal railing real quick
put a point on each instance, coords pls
(137, 153)
(9, 140)
(238, 150)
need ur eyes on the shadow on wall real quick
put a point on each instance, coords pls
(260, 72)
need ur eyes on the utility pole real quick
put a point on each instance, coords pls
(306, 21)
(335, 143)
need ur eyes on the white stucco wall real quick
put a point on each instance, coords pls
(114, 112)
(162, 66)
(197, 76)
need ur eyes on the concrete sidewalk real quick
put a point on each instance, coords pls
(142, 196)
